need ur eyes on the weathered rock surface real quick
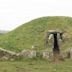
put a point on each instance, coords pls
(28, 53)
(47, 55)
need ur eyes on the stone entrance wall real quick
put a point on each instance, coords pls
(9, 55)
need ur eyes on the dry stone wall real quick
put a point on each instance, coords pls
(9, 55)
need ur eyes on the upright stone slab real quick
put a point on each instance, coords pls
(70, 53)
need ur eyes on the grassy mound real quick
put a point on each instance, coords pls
(33, 33)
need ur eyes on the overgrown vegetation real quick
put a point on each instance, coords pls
(33, 33)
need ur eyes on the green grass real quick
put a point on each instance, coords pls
(36, 66)
(33, 33)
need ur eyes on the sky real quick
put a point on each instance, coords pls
(14, 13)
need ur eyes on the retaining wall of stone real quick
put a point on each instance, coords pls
(9, 55)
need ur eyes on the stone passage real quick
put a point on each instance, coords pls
(56, 36)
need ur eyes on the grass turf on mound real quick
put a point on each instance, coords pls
(33, 33)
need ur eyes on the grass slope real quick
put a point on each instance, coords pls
(33, 33)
